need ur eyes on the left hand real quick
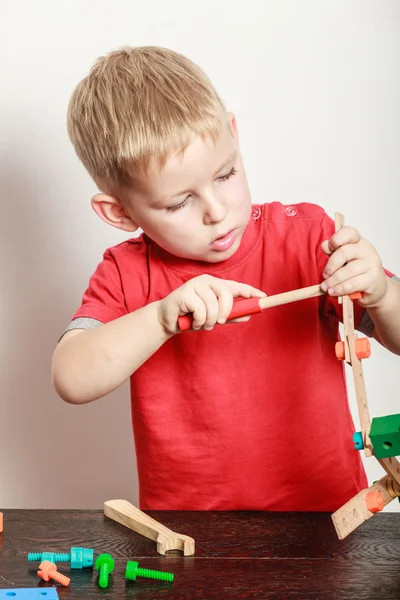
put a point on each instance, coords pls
(353, 266)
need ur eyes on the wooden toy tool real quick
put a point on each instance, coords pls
(126, 514)
(244, 307)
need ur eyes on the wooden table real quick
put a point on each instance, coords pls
(238, 555)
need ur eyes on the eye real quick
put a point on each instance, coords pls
(227, 176)
(178, 206)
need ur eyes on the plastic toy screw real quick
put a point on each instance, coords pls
(105, 566)
(79, 557)
(132, 571)
(48, 570)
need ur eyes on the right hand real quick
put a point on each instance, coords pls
(208, 298)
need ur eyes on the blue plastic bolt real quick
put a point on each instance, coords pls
(358, 440)
(78, 557)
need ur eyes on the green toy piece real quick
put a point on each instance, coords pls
(105, 566)
(385, 436)
(132, 571)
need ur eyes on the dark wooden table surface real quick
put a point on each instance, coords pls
(238, 555)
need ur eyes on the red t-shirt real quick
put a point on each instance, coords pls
(248, 416)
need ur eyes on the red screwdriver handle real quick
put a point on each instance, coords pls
(242, 307)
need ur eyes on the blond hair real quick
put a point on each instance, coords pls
(137, 104)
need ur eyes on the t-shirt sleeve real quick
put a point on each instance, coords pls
(103, 300)
(330, 305)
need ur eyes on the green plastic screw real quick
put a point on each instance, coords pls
(78, 557)
(132, 571)
(104, 564)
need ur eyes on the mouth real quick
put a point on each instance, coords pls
(224, 241)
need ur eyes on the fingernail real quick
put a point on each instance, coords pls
(221, 321)
(324, 286)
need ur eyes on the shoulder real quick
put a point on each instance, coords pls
(128, 248)
(293, 213)
(300, 220)
(130, 254)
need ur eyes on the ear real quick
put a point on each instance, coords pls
(111, 211)
(233, 126)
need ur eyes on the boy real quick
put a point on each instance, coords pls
(252, 415)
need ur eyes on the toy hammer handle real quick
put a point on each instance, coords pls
(244, 307)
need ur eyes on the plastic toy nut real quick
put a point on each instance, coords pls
(362, 347)
(374, 501)
(358, 440)
(355, 296)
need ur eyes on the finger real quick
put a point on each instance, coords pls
(225, 302)
(342, 256)
(352, 269)
(244, 290)
(227, 290)
(345, 235)
(196, 306)
(239, 320)
(211, 303)
(359, 283)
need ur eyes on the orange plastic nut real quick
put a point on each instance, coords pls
(1, 522)
(355, 296)
(363, 348)
(339, 350)
(374, 501)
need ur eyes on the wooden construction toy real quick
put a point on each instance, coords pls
(126, 514)
(382, 435)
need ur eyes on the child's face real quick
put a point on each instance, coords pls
(198, 205)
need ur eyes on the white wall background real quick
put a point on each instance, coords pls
(315, 87)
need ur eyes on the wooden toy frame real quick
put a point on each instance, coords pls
(358, 510)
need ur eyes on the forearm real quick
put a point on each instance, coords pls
(386, 318)
(94, 362)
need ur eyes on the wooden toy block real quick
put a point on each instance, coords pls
(126, 514)
(355, 512)
(38, 593)
(385, 436)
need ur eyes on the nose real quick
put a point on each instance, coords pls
(214, 209)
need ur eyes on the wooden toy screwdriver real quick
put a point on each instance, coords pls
(244, 307)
